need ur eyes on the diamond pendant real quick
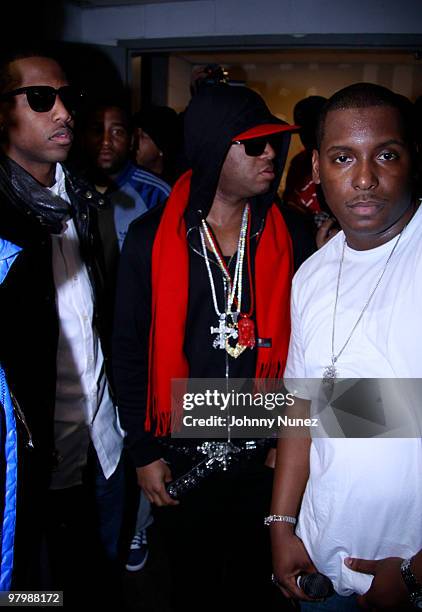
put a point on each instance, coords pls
(330, 374)
(234, 351)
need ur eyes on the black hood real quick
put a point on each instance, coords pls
(214, 117)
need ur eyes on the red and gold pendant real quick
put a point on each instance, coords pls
(246, 331)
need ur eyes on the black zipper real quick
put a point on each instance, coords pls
(21, 417)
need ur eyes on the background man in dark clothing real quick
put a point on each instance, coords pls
(106, 139)
(130, 191)
(171, 291)
(157, 141)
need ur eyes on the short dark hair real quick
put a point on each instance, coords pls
(18, 53)
(305, 114)
(365, 95)
(95, 103)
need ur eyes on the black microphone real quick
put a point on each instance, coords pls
(316, 585)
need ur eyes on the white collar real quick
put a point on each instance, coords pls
(59, 187)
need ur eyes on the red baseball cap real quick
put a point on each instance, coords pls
(266, 129)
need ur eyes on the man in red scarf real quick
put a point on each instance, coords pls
(203, 292)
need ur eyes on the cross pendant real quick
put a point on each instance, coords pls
(223, 332)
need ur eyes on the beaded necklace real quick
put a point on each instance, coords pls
(233, 324)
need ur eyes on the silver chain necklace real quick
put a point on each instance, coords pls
(224, 330)
(330, 372)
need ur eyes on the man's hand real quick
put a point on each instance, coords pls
(326, 231)
(270, 458)
(388, 590)
(152, 479)
(290, 559)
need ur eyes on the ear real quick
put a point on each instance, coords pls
(315, 167)
(134, 143)
(3, 124)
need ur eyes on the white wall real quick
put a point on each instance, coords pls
(178, 94)
(242, 17)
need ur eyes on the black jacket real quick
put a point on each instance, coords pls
(29, 339)
(214, 117)
(133, 320)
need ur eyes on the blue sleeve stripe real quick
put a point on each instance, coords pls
(9, 516)
(149, 179)
(138, 184)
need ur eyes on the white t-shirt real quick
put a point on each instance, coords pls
(364, 496)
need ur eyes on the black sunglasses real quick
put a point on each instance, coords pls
(41, 98)
(254, 147)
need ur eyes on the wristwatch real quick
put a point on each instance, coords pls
(413, 586)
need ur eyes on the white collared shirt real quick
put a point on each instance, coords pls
(84, 410)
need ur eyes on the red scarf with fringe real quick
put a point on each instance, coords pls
(170, 280)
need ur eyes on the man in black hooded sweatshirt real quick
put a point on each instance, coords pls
(177, 280)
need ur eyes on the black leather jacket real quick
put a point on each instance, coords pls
(30, 329)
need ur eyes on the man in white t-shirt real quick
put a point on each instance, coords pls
(356, 307)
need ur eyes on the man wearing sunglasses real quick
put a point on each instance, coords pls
(55, 339)
(173, 320)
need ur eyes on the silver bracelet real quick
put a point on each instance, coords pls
(279, 518)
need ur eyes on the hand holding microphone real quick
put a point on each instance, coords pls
(316, 585)
(294, 572)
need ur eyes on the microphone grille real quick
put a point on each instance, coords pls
(316, 586)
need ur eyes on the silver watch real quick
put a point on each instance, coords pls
(413, 586)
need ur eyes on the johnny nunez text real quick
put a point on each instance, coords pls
(244, 421)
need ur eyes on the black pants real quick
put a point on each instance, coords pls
(77, 531)
(218, 547)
